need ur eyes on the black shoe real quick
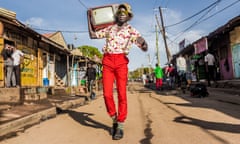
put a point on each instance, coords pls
(118, 135)
(93, 96)
(114, 128)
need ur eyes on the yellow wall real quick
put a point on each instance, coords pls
(29, 71)
(40, 67)
(235, 36)
(1, 64)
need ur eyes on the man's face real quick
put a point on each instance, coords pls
(122, 15)
(7, 46)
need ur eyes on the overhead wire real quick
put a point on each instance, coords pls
(188, 18)
(152, 26)
(82, 4)
(159, 30)
(200, 21)
(74, 31)
(167, 3)
(211, 5)
(154, 9)
(63, 31)
(194, 24)
(232, 4)
(154, 3)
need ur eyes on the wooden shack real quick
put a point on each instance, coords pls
(44, 60)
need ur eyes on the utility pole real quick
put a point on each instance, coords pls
(164, 36)
(142, 70)
(149, 67)
(157, 49)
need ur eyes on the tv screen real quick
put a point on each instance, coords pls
(102, 15)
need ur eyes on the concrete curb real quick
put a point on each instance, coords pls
(11, 128)
(17, 125)
(71, 104)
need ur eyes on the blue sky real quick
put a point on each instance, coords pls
(69, 16)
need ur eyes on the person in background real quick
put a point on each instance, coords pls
(194, 76)
(159, 76)
(188, 71)
(170, 75)
(119, 38)
(16, 56)
(91, 77)
(8, 66)
(144, 78)
(181, 70)
(209, 60)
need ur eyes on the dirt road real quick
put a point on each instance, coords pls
(152, 119)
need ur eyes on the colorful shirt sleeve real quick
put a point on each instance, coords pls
(134, 35)
(103, 33)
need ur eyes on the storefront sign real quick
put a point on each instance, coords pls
(182, 45)
(201, 45)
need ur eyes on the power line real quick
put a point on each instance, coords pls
(211, 5)
(64, 31)
(82, 4)
(220, 10)
(166, 3)
(200, 21)
(154, 3)
(194, 24)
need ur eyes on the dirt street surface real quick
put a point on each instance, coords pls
(152, 119)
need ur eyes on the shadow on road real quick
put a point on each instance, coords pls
(227, 127)
(205, 125)
(147, 132)
(86, 120)
(196, 102)
(232, 128)
(203, 102)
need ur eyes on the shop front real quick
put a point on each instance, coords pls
(200, 47)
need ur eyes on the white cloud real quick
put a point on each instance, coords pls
(35, 22)
(171, 17)
(194, 35)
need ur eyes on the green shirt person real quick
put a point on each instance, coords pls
(159, 75)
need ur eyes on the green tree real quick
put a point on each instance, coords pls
(90, 51)
(138, 72)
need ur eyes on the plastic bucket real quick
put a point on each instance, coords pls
(45, 82)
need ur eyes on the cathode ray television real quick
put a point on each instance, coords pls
(101, 17)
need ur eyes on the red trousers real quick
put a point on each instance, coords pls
(115, 68)
(158, 83)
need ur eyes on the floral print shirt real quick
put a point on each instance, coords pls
(118, 40)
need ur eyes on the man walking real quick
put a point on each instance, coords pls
(210, 67)
(119, 38)
(91, 77)
(181, 69)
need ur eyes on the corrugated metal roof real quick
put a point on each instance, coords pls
(227, 27)
(48, 35)
(7, 13)
(17, 23)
